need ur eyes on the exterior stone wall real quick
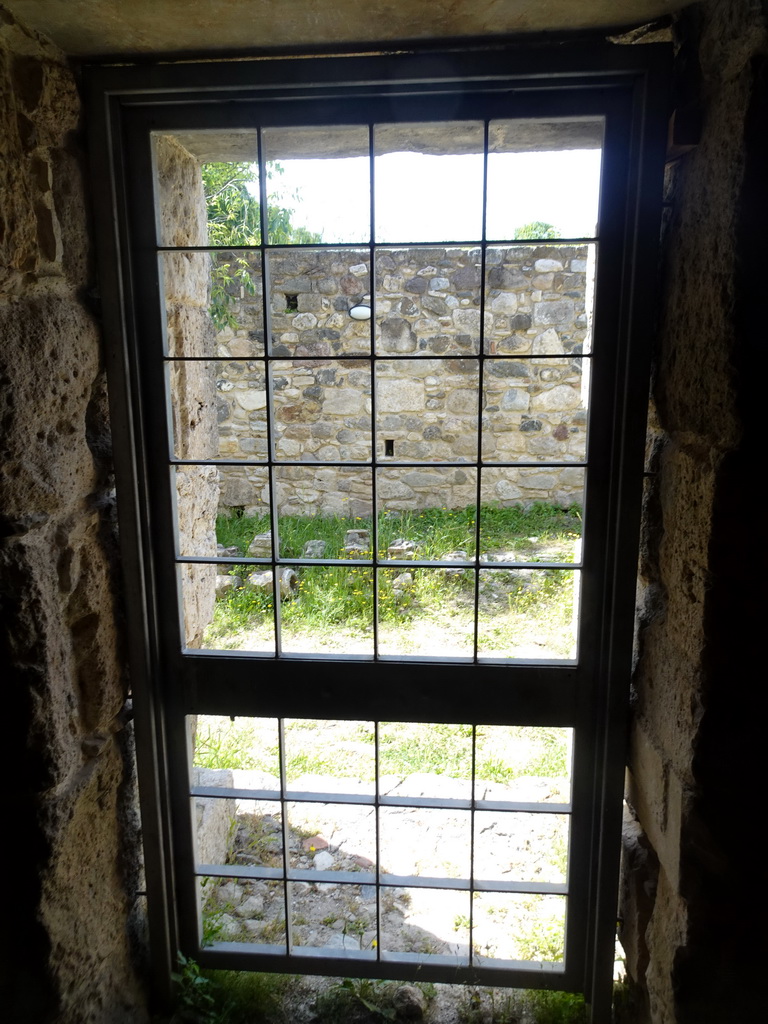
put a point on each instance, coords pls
(74, 949)
(189, 328)
(690, 858)
(537, 303)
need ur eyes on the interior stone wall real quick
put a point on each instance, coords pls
(693, 873)
(691, 868)
(73, 946)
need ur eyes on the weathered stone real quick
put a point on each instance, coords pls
(553, 311)
(314, 549)
(402, 548)
(409, 1002)
(547, 266)
(397, 336)
(261, 545)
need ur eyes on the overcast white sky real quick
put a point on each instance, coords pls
(439, 198)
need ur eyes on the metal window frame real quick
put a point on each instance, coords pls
(124, 104)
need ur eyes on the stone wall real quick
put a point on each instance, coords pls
(537, 303)
(73, 945)
(189, 328)
(691, 861)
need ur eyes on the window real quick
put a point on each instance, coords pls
(488, 371)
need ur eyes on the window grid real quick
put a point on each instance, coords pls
(381, 880)
(377, 461)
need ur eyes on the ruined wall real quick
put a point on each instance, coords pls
(537, 307)
(691, 872)
(74, 943)
(189, 331)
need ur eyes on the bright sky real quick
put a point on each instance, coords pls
(439, 198)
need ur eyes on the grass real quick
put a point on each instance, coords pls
(437, 531)
(346, 749)
(512, 603)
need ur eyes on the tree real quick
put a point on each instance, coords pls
(536, 229)
(234, 219)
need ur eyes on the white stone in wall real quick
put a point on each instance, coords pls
(547, 266)
(251, 400)
(506, 302)
(563, 396)
(359, 270)
(304, 321)
(343, 402)
(400, 396)
(462, 400)
(578, 266)
(507, 491)
(553, 311)
(515, 400)
(544, 282)
(548, 343)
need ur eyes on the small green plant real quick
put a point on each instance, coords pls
(556, 1007)
(489, 1006)
(195, 1001)
(356, 999)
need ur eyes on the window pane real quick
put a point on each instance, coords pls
(427, 513)
(429, 182)
(426, 612)
(333, 756)
(311, 293)
(235, 600)
(426, 409)
(213, 304)
(531, 515)
(523, 763)
(425, 925)
(323, 512)
(536, 409)
(242, 753)
(322, 410)
(539, 299)
(528, 614)
(318, 181)
(526, 927)
(543, 178)
(218, 409)
(213, 198)
(425, 760)
(428, 301)
(329, 610)
(520, 847)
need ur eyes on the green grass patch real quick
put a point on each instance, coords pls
(332, 596)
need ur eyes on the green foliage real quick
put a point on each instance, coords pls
(234, 219)
(215, 748)
(536, 229)
(357, 1000)
(557, 1007)
(195, 1000)
(343, 595)
(489, 1006)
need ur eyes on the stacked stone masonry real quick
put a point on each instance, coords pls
(537, 308)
